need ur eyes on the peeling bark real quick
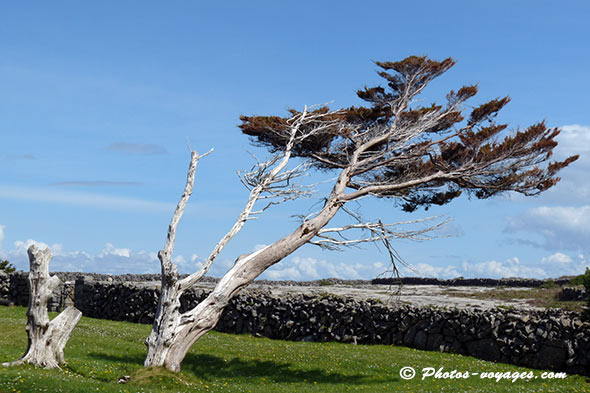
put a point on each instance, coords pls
(47, 339)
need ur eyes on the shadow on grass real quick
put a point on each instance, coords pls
(209, 368)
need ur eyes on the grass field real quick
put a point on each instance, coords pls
(100, 352)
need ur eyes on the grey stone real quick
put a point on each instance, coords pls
(484, 349)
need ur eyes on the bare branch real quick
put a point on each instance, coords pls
(266, 177)
(169, 269)
(378, 233)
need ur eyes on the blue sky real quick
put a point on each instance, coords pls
(98, 99)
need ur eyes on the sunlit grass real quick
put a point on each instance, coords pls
(100, 352)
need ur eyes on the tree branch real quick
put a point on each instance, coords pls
(169, 269)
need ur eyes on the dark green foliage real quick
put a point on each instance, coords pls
(578, 280)
(586, 282)
(6, 267)
(549, 284)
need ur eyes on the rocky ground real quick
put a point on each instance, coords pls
(416, 295)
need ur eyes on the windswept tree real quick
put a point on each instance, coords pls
(392, 148)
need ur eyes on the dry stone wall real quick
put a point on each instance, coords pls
(4, 288)
(572, 294)
(551, 339)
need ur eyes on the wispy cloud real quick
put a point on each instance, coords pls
(574, 139)
(95, 183)
(137, 148)
(21, 157)
(306, 268)
(83, 198)
(574, 187)
(561, 227)
(110, 260)
(553, 266)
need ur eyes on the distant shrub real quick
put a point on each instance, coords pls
(325, 283)
(549, 284)
(586, 283)
(578, 280)
(6, 267)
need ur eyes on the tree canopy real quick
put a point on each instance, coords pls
(419, 155)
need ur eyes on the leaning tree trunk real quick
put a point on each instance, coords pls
(47, 339)
(174, 333)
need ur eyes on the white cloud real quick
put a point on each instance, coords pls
(109, 249)
(258, 247)
(574, 186)
(559, 258)
(2, 235)
(110, 260)
(70, 197)
(559, 226)
(511, 267)
(306, 268)
(553, 266)
(21, 247)
(288, 273)
(573, 139)
(427, 270)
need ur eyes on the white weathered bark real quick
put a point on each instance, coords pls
(196, 322)
(174, 333)
(47, 339)
(168, 313)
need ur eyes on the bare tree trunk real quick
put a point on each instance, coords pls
(165, 326)
(47, 339)
(168, 345)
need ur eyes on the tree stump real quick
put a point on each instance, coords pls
(47, 339)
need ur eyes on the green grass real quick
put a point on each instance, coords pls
(100, 352)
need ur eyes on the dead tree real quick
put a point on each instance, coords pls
(394, 148)
(47, 339)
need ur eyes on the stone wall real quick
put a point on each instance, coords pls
(551, 339)
(471, 282)
(17, 292)
(568, 294)
(4, 288)
(487, 282)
